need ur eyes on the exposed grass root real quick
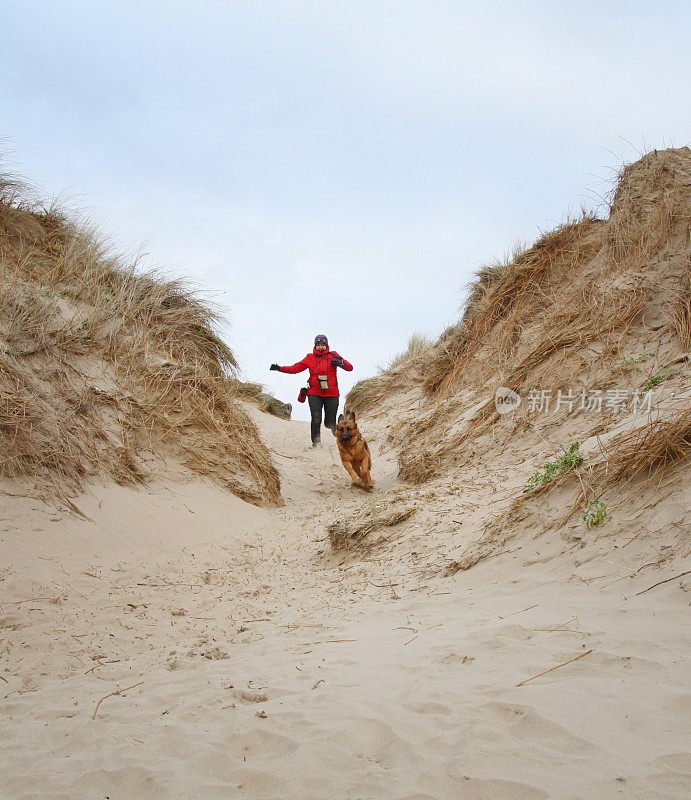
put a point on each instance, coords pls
(651, 450)
(353, 533)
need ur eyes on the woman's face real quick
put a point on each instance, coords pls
(320, 347)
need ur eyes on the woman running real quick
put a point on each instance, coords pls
(322, 394)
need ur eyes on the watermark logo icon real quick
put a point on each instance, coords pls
(506, 401)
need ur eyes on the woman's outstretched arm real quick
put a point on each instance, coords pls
(300, 366)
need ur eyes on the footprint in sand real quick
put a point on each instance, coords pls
(135, 781)
(679, 762)
(452, 657)
(517, 632)
(524, 723)
(427, 707)
(248, 696)
(476, 789)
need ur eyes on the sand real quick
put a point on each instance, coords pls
(270, 667)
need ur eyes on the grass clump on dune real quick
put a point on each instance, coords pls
(417, 345)
(649, 451)
(353, 532)
(403, 368)
(504, 298)
(680, 312)
(254, 393)
(101, 364)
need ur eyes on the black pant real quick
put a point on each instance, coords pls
(330, 406)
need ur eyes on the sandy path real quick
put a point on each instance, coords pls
(273, 669)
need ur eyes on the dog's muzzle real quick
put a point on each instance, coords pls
(346, 438)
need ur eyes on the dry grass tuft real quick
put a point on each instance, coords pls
(368, 395)
(353, 533)
(418, 345)
(254, 393)
(681, 320)
(100, 363)
(272, 405)
(680, 316)
(405, 369)
(648, 204)
(651, 450)
(506, 296)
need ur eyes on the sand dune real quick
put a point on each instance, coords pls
(466, 634)
(268, 669)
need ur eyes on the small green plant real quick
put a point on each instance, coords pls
(638, 363)
(594, 513)
(633, 362)
(653, 380)
(571, 458)
(642, 359)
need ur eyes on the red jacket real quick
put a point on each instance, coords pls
(319, 364)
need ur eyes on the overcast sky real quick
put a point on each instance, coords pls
(335, 167)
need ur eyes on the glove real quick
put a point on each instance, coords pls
(336, 362)
(274, 367)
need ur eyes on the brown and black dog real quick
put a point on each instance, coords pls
(355, 454)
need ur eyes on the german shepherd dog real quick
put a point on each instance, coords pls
(355, 455)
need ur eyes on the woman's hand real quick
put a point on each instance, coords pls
(274, 367)
(336, 362)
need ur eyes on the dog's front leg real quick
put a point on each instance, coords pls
(349, 469)
(365, 475)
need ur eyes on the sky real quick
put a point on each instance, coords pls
(335, 167)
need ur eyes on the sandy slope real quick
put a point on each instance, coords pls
(272, 668)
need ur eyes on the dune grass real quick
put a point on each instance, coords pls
(417, 345)
(680, 311)
(255, 393)
(649, 451)
(587, 287)
(505, 297)
(405, 367)
(101, 363)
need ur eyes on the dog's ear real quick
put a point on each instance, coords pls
(340, 418)
(350, 415)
